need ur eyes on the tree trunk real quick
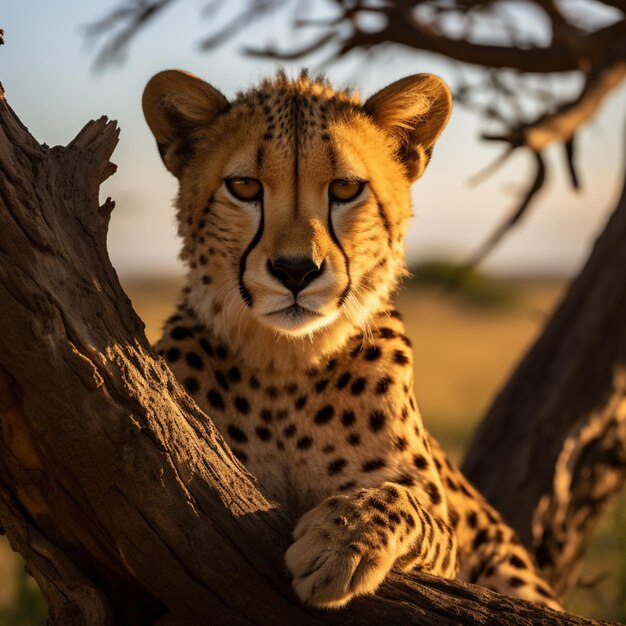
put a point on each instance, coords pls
(551, 452)
(124, 500)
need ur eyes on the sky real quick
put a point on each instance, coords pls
(46, 68)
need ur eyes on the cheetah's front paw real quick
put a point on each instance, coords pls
(340, 551)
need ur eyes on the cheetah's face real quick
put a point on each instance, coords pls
(293, 198)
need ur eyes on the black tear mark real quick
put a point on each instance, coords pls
(245, 294)
(333, 236)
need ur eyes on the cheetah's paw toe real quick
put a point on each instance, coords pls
(337, 555)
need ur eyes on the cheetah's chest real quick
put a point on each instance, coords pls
(309, 434)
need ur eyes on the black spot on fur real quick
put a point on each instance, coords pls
(242, 405)
(382, 386)
(194, 360)
(206, 346)
(482, 536)
(347, 486)
(400, 357)
(354, 439)
(373, 353)
(377, 420)
(180, 332)
(343, 380)
(237, 434)
(289, 431)
(348, 418)
(336, 466)
(304, 443)
(324, 415)
(191, 384)
(172, 355)
(320, 385)
(300, 402)
(291, 388)
(221, 380)
(516, 581)
(394, 518)
(373, 465)
(234, 375)
(544, 592)
(356, 350)
(405, 479)
(515, 561)
(215, 399)
(266, 415)
(453, 517)
(358, 386)
(401, 443)
(433, 493)
(377, 504)
(271, 392)
(263, 433)
(254, 382)
(391, 493)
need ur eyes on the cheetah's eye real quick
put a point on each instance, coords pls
(345, 190)
(245, 189)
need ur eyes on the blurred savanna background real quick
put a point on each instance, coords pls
(522, 182)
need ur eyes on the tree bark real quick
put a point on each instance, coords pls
(124, 500)
(551, 452)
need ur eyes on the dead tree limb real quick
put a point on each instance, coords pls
(119, 492)
(557, 431)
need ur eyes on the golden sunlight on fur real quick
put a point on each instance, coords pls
(293, 205)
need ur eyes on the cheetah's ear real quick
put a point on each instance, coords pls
(414, 111)
(177, 104)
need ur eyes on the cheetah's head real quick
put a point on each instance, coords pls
(293, 198)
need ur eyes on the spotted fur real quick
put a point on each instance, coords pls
(312, 385)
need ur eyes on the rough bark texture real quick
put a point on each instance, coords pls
(122, 497)
(556, 434)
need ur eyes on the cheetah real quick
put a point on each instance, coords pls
(293, 205)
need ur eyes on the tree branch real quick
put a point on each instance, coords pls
(557, 431)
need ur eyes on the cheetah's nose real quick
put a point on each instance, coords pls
(295, 274)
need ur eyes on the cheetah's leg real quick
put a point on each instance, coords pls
(346, 546)
(496, 559)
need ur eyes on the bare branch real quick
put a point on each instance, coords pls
(556, 58)
(513, 219)
(271, 53)
(481, 175)
(562, 124)
(130, 20)
(258, 10)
